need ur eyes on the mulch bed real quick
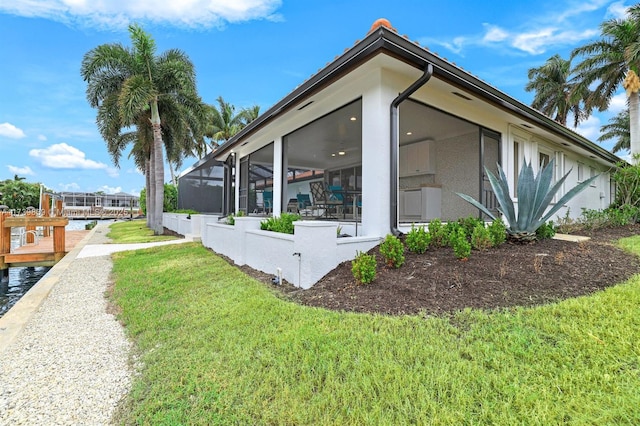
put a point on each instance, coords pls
(436, 283)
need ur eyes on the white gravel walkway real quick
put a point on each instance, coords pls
(68, 364)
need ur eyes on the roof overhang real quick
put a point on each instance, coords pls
(385, 41)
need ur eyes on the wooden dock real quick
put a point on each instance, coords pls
(43, 251)
(43, 248)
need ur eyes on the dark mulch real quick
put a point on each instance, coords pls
(437, 283)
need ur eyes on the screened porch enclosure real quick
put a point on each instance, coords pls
(201, 189)
(327, 150)
(441, 155)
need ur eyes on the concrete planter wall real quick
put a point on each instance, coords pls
(302, 258)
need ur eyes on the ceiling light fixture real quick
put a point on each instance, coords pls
(409, 133)
(353, 119)
(341, 153)
(333, 155)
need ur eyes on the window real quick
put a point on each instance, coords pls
(516, 166)
(580, 172)
(592, 173)
(543, 159)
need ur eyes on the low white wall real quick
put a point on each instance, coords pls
(303, 258)
(170, 221)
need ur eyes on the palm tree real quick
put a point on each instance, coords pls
(131, 85)
(612, 61)
(249, 114)
(224, 123)
(618, 129)
(555, 92)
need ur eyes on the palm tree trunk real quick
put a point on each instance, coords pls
(634, 125)
(158, 173)
(148, 192)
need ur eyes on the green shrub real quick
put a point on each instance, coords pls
(231, 219)
(282, 223)
(363, 268)
(451, 232)
(418, 239)
(461, 247)
(627, 178)
(437, 233)
(392, 250)
(498, 232)
(481, 237)
(546, 231)
(186, 211)
(469, 224)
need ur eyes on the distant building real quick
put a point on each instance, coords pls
(96, 204)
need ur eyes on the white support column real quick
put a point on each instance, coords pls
(277, 176)
(236, 189)
(376, 168)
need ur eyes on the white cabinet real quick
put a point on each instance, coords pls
(424, 203)
(412, 204)
(417, 159)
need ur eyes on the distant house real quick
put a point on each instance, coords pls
(96, 204)
(399, 130)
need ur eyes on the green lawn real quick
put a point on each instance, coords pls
(134, 231)
(217, 347)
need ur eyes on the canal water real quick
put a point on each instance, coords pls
(22, 279)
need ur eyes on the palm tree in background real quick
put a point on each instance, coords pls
(224, 123)
(617, 129)
(130, 87)
(556, 94)
(610, 62)
(249, 114)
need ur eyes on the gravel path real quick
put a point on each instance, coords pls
(69, 366)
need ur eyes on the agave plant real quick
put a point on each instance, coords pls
(535, 194)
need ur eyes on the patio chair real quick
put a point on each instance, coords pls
(267, 201)
(304, 202)
(322, 199)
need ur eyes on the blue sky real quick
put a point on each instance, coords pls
(250, 52)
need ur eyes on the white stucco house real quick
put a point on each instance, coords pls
(400, 130)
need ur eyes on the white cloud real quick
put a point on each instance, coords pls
(618, 103)
(42, 138)
(590, 128)
(63, 156)
(578, 7)
(10, 131)
(617, 10)
(568, 25)
(69, 186)
(540, 41)
(109, 189)
(494, 34)
(119, 13)
(21, 170)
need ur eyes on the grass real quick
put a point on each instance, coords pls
(134, 231)
(217, 347)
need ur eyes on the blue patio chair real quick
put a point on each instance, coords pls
(335, 193)
(304, 202)
(267, 201)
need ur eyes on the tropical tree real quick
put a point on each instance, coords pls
(611, 62)
(556, 94)
(249, 114)
(224, 123)
(130, 87)
(17, 194)
(617, 129)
